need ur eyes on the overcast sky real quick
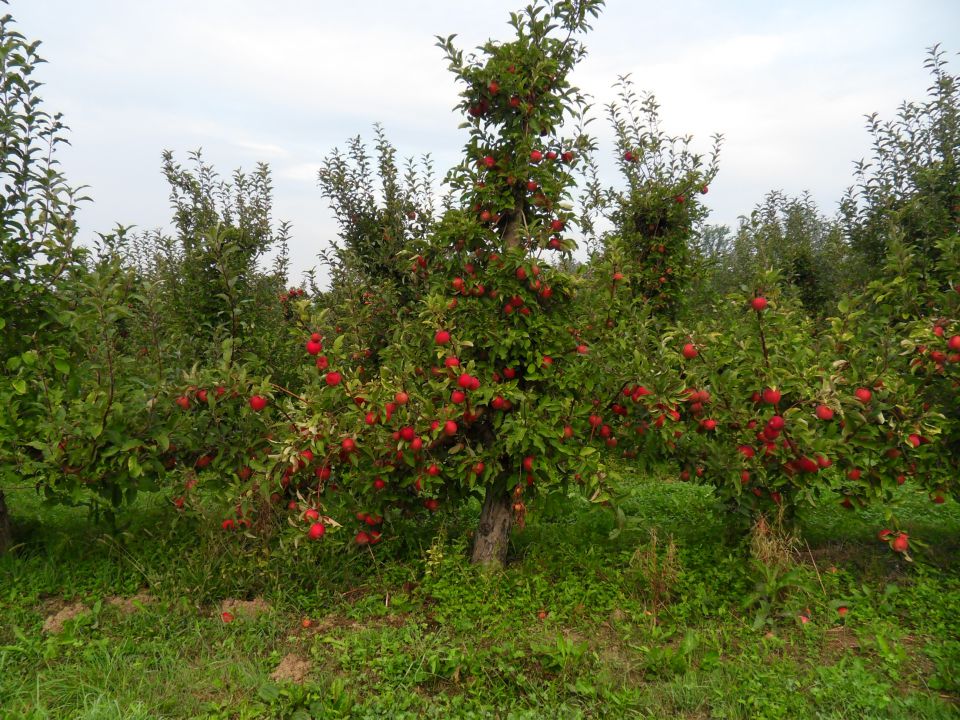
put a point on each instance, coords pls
(787, 83)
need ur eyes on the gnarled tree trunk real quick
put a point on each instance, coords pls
(493, 533)
(6, 539)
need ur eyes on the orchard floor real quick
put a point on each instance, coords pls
(567, 631)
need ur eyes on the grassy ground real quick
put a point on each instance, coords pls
(580, 625)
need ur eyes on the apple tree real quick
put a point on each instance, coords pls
(479, 391)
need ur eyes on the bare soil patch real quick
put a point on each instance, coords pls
(292, 669)
(54, 623)
(250, 609)
(130, 605)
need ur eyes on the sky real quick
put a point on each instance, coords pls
(787, 83)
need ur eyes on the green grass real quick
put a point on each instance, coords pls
(566, 631)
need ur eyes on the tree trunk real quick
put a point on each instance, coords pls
(6, 539)
(493, 533)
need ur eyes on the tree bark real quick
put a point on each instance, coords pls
(493, 534)
(6, 538)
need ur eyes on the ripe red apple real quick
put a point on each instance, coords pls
(824, 413)
(567, 431)
(433, 470)
(202, 396)
(807, 465)
(348, 445)
(443, 337)
(567, 156)
(771, 396)
(489, 161)
(863, 394)
(450, 427)
(557, 225)
(362, 538)
(493, 87)
(709, 425)
(258, 403)
(842, 611)
(536, 156)
(528, 463)
(551, 155)
(183, 401)
(457, 397)
(855, 474)
(379, 484)
(333, 378)
(776, 423)
(311, 515)
(690, 351)
(401, 398)
(900, 543)
(314, 347)
(954, 343)
(759, 303)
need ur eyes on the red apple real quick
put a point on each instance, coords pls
(771, 396)
(824, 413)
(258, 403)
(900, 543)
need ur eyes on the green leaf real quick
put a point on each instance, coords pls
(269, 692)
(62, 366)
(20, 386)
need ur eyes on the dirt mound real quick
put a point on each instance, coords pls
(128, 605)
(54, 623)
(292, 669)
(250, 609)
